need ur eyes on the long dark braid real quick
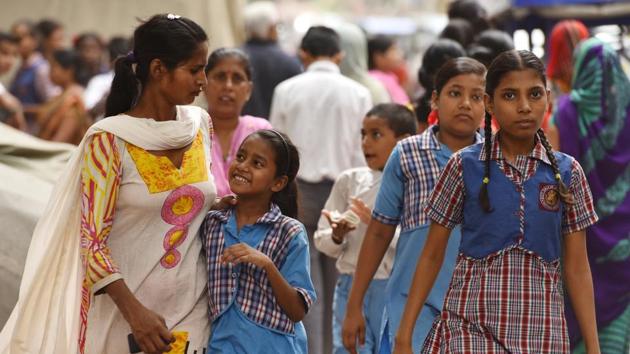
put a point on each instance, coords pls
(564, 192)
(484, 199)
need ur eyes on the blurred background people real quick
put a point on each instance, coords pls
(270, 64)
(354, 63)
(384, 60)
(52, 37)
(471, 11)
(459, 30)
(98, 87)
(64, 118)
(489, 44)
(593, 123)
(438, 53)
(91, 50)
(565, 36)
(31, 83)
(10, 107)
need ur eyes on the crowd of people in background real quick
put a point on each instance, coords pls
(387, 181)
(57, 92)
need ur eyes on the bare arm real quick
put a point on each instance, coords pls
(426, 272)
(68, 126)
(375, 244)
(14, 106)
(288, 298)
(579, 284)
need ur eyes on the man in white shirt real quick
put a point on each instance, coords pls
(322, 112)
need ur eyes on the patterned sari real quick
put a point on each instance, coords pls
(594, 126)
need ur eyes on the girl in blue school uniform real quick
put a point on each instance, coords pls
(408, 178)
(259, 283)
(523, 210)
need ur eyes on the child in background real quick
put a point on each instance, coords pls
(64, 118)
(356, 189)
(10, 107)
(408, 179)
(259, 284)
(521, 206)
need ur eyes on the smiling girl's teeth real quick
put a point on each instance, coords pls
(240, 179)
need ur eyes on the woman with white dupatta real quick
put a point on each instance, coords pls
(116, 252)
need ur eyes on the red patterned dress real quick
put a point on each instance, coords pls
(506, 292)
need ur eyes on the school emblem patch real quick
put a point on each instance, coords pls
(548, 197)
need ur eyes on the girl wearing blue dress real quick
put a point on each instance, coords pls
(259, 283)
(408, 179)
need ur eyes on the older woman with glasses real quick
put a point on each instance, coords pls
(229, 87)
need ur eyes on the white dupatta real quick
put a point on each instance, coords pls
(46, 318)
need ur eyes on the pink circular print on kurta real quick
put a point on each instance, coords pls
(182, 205)
(179, 209)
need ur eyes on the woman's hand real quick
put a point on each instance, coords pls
(243, 253)
(339, 228)
(224, 203)
(149, 330)
(361, 209)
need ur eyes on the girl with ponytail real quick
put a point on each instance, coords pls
(259, 283)
(523, 209)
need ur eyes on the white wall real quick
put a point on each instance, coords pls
(222, 19)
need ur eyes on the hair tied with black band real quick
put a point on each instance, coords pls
(286, 150)
(131, 57)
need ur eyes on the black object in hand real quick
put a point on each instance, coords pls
(133, 345)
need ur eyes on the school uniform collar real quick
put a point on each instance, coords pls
(428, 139)
(270, 217)
(324, 65)
(538, 152)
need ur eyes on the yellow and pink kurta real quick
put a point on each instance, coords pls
(119, 211)
(140, 215)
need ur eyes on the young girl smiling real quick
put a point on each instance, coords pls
(259, 282)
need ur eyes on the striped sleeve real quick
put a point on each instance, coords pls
(100, 180)
(581, 214)
(446, 202)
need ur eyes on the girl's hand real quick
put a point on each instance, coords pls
(339, 229)
(243, 253)
(402, 346)
(353, 329)
(224, 203)
(149, 330)
(361, 209)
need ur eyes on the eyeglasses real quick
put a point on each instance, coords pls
(222, 78)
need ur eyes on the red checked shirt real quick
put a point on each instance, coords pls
(508, 299)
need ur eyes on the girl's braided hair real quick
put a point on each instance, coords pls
(515, 60)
